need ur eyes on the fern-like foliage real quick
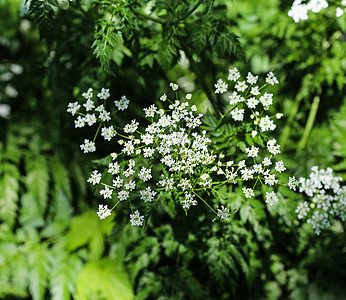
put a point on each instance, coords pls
(108, 45)
(43, 247)
(43, 14)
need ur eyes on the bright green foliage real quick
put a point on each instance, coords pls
(103, 280)
(46, 253)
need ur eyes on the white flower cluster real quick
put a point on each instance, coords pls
(326, 198)
(172, 155)
(247, 98)
(93, 113)
(340, 10)
(300, 11)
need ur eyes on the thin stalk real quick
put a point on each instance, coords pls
(191, 11)
(205, 203)
(309, 123)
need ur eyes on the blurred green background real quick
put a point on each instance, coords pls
(53, 246)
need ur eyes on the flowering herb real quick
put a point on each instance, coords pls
(173, 156)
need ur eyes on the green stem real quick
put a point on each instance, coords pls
(309, 123)
(115, 205)
(286, 131)
(191, 11)
(97, 131)
(205, 203)
(156, 20)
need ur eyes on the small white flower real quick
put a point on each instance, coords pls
(241, 86)
(90, 119)
(194, 108)
(221, 87)
(271, 198)
(106, 193)
(147, 195)
(270, 179)
(145, 174)
(241, 164)
(136, 219)
(279, 166)
(293, 183)
(105, 115)
(235, 98)
(108, 133)
(163, 98)
(251, 78)
(339, 12)
(266, 124)
(266, 161)
(233, 74)
(95, 177)
(118, 182)
(80, 122)
(113, 168)
(248, 192)
(237, 114)
(255, 91)
(103, 211)
(122, 104)
(123, 195)
(104, 94)
(131, 127)
(73, 107)
(174, 86)
(252, 102)
(271, 79)
(131, 185)
(89, 105)
(253, 152)
(188, 96)
(266, 99)
(88, 94)
(150, 111)
(223, 213)
(88, 146)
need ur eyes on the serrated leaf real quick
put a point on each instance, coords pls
(63, 276)
(37, 179)
(9, 187)
(38, 258)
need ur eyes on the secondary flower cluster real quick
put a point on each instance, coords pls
(171, 155)
(300, 11)
(92, 112)
(249, 105)
(326, 198)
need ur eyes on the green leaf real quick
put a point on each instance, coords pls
(37, 179)
(88, 229)
(63, 275)
(43, 14)
(9, 187)
(103, 280)
(38, 258)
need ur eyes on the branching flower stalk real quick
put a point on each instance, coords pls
(172, 156)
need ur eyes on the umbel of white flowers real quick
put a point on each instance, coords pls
(180, 151)
(299, 11)
(325, 199)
